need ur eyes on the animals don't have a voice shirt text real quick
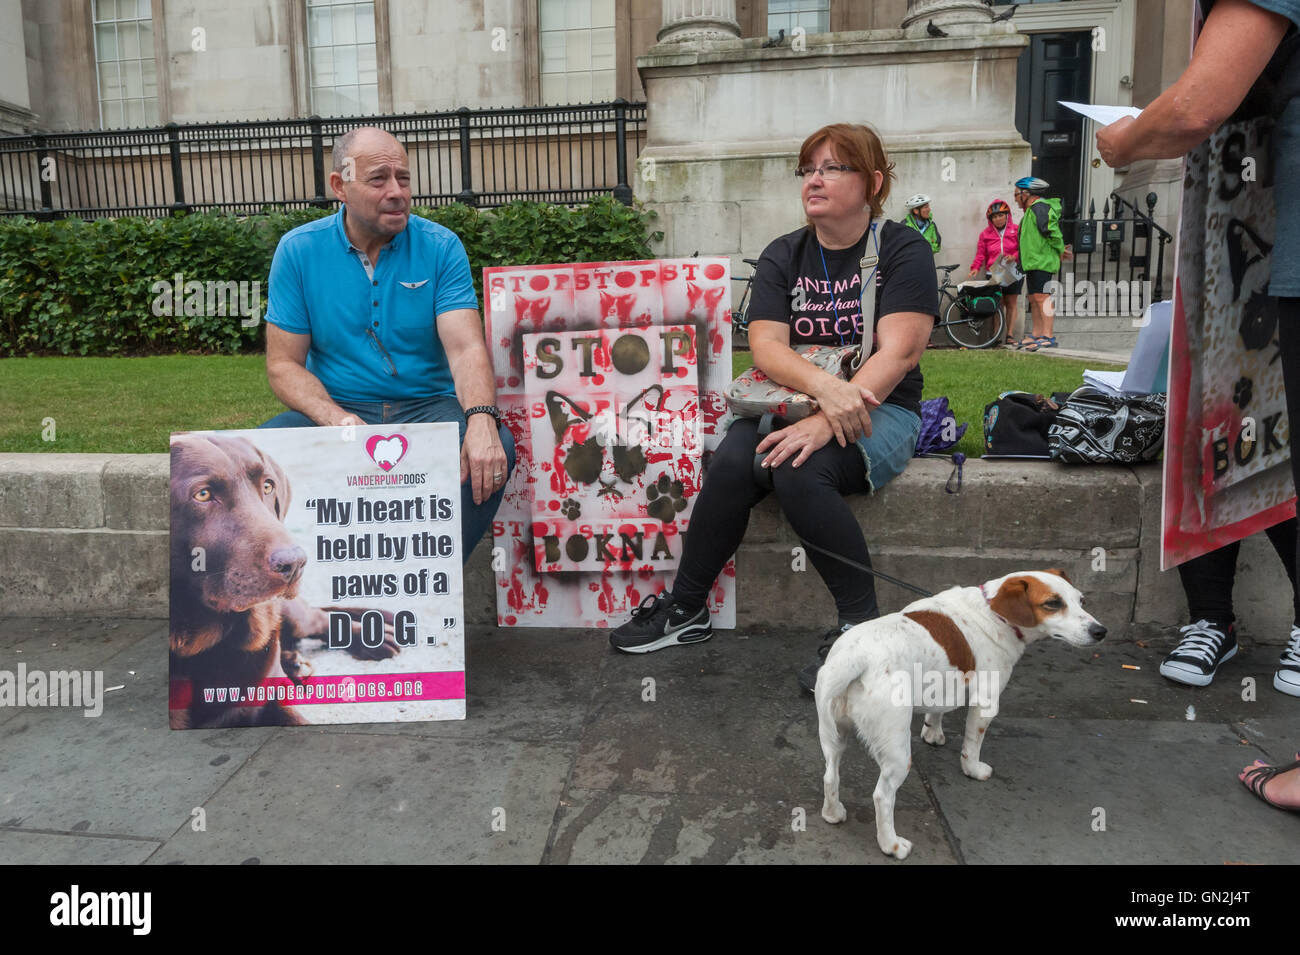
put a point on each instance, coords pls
(822, 303)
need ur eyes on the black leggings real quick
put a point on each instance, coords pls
(811, 496)
(1207, 580)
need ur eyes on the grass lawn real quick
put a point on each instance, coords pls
(128, 404)
(132, 404)
(971, 379)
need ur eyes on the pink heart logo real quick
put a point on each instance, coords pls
(386, 451)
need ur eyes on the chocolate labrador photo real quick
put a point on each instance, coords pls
(236, 618)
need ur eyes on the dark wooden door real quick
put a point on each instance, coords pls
(1054, 67)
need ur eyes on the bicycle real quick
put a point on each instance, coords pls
(964, 326)
(740, 314)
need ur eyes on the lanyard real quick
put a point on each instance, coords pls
(867, 262)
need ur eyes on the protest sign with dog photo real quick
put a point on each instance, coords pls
(316, 576)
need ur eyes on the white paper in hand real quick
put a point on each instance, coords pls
(1105, 115)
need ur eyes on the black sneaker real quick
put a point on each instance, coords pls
(808, 675)
(661, 622)
(1204, 646)
(1287, 677)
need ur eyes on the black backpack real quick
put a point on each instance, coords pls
(1015, 426)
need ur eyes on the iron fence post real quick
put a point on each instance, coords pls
(622, 191)
(179, 204)
(47, 196)
(466, 183)
(318, 163)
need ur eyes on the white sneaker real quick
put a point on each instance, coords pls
(1287, 677)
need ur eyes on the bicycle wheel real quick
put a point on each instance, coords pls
(972, 331)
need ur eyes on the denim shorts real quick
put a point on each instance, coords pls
(888, 450)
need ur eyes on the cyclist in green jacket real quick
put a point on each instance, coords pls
(918, 218)
(1042, 249)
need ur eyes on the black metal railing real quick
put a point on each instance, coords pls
(486, 157)
(1099, 244)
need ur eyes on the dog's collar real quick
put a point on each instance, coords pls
(985, 595)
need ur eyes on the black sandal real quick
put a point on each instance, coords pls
(1257, 777)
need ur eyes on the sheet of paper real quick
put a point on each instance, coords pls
(1107, 381)
(1105, 115)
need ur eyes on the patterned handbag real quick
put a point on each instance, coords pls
(754, 395)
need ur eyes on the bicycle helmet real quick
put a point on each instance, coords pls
(1032, 184)
(996, 206)
(918, 200)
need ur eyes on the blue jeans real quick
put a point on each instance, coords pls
(474, 518)
(894, 431)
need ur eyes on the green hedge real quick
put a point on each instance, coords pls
(88, 288)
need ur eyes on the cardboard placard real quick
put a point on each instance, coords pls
(612, 378)
(316, 576)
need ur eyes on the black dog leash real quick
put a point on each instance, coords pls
(875, 573)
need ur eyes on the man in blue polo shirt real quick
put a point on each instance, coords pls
(372, 318)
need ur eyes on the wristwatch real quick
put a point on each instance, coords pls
(485, 409)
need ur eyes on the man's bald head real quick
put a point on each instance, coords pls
(359, 140)
(372, 178)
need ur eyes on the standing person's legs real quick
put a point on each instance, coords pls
(1288, 326)
(1283, 538)
(1039, 306)
(1287, 678)
(1211, 638)
(1207, 584)
(1046, 316)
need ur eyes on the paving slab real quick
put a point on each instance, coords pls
(1166, 793)
(523, 685)
(727, 719)
(697, 754)
(51, 848)
(122, 773)
(598, 826)
(359, 798)
(80, 643)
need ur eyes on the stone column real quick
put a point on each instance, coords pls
(699, 20)
(946, 12)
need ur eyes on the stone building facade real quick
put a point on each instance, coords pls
(963, 114)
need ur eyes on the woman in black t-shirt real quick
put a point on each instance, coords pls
(807, 289)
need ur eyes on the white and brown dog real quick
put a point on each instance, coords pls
(954, 649)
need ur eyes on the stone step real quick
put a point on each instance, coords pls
(88, 533)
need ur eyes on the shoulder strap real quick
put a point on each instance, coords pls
(867, 271)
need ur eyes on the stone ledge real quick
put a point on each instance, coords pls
(1010, 515)
(53, 490)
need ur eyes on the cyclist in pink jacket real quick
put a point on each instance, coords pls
(999, 244)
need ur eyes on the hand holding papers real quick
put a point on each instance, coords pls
(1104, 115)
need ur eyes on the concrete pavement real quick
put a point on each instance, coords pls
(564, 759)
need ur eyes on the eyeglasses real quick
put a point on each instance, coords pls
(379, 346)
(828, 171)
